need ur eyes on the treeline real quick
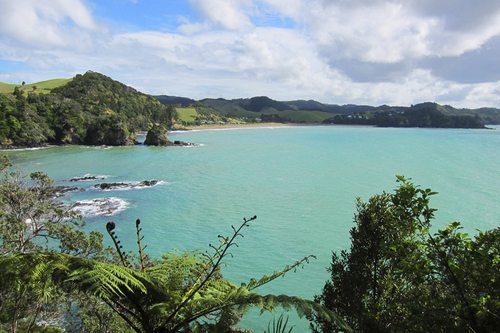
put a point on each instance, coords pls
(423, 115)
(91, 109)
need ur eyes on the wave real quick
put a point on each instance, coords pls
(100, 207)
(27, 149)
(193, 145)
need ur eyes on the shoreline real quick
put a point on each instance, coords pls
(238, 126)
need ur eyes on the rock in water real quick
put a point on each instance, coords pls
(157, 136)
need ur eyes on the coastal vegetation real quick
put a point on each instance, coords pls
(90, 109)
(401, 276)
(93, 109)
(264, 109)
(420, 115)
(57, 277)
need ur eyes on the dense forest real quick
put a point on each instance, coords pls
(90, 109)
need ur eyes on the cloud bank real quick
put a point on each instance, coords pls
(336, 51)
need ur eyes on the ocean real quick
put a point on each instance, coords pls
(300, 181)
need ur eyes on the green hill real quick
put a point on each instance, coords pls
(42, 87)
(89, 109)
(428, 115)
(309, 111)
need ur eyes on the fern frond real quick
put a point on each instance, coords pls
(253, 284)
(107, 280)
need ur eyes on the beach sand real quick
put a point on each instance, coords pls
(246, 125)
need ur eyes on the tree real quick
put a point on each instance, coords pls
(31, 220)
(177, 293)
(53, 269)
(399, 277)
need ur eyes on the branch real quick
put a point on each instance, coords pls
(220, 254)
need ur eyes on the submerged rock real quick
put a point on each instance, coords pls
(128, 185)
(86, 178)
(183, 144)
(59, 191)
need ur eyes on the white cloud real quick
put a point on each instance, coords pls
(227, 53)
(227, 14)
(43, 23)
(391, 31)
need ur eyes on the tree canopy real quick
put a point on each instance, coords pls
(399, 276)
(91, 109)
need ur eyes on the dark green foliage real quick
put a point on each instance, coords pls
(279, 326)
(53, 271)
(177, 293)
(399, 277)
(261, 103)
(31, 220)
(419, 115)
(91, 109)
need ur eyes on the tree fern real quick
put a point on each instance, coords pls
(171, 294)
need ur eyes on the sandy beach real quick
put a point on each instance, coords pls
(225, 126)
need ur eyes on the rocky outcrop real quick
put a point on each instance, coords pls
(157, 136)
(128, 185)
(59, 191)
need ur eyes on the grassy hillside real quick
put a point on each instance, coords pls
(6, 88)
(303, 116)
(42, 87)
(187, 114)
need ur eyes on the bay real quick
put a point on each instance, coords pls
(301, 182)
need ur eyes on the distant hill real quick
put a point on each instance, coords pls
(89, 109)
(418, 115)
(176, 101)
(94, 109)
(263, 108)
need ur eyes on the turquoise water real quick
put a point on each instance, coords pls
(301, 182)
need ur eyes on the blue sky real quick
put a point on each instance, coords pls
(335, 51)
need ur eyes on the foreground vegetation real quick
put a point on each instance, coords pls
(54, 276)
(400, 276)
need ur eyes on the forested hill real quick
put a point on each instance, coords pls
(263, 108)
(90, 109)
(420, 115)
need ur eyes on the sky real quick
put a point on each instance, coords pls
(334, 51)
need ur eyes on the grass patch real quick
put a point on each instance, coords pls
(187, 115)
(6, 88)
(42, 87)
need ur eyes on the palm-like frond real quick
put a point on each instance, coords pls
(169, 294)
(106, 280)
(279, 326)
